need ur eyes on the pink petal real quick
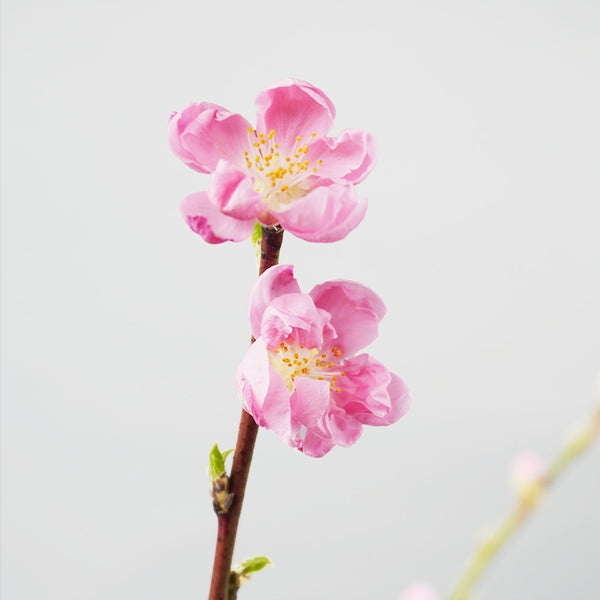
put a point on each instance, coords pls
(315, 446)
(203, 133)
(310, 402)
(294, 108)
(355, 312)
(206, 220)
(348, 158)
(326, 214)
(263, 392)
(370, 393)
(296, 317)
(231, 190)
(419, 591)
(326, 424)
(400, 399)
(272, 283)
(344, 428)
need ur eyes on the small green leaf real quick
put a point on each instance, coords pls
(256, 233)
(252, 565)
(217, 462)
(257, 241)
(242, 573)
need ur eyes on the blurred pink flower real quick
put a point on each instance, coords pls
(285, 171)
(302, 377)
(419, 591)
(528, 468)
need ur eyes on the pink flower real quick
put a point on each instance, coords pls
(286, 170)
(419, 591)
(302, 377)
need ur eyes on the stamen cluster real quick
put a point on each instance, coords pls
(297, 361)
(277, 178)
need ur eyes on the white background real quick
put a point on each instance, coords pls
(122, 329)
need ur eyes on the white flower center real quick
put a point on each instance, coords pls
(279, 179)
(292, 361)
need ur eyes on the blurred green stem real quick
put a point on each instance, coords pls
(526, 505)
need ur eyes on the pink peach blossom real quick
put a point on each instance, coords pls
(285, 171)
(302, 378)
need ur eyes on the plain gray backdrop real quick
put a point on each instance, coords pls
(122, 329)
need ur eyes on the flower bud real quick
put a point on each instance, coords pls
(527, 476)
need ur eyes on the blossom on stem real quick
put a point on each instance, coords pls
(302, 378)
(285, 171)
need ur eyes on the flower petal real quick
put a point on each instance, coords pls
(310, 405)
(326, 214)
(344, 428)
(296, 317)
(231, 190)
(274, 282)
(420, 591)
(326, 424)
(206, 220)
(203, 133)
(400, 400)
(264, 394)
(370, 393)
(316, 446)
(294, 108)
(355, 312)
(310, 402)
(348, 158)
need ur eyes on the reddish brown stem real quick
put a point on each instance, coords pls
(242, 457)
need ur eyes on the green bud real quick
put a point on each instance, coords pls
(257, 241)
(216, 461)
(246, 569)
(219, 480)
